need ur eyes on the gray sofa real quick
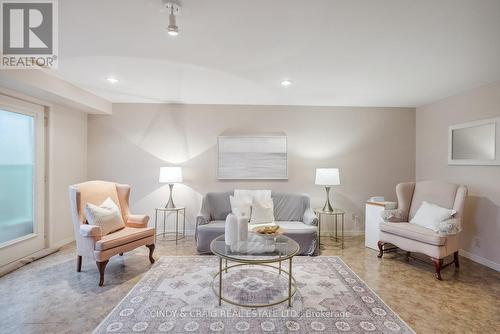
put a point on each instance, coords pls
(291, 211)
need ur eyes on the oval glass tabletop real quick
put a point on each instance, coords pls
(256, 249)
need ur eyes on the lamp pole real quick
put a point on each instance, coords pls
(170, 203)
(327, 207)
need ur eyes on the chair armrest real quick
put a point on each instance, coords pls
(90, 231)
(310, 217)
(393, 216)
(449, 227)
(137, 221)
(201, 219)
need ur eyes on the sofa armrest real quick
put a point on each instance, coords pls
(310, 217)
(201, 219)
(449, 227)
(90, 231)
(138, 221)
(393, 216)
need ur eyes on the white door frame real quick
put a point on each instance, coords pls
(18, 248)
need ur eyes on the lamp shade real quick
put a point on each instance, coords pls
(170, 175)
(327, 176)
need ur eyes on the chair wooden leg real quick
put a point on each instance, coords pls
(381, 249)
(151, 250)
(455, 259)
(78, 263)
(438, 263)
(101, 266)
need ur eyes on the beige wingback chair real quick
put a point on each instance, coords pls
(414, 238)
(89, 240)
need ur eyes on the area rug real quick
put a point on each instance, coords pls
(176, 296)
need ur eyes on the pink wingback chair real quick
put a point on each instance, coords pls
(414, 238)
(90, 242)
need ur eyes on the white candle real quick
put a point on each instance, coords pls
(242, 228)
(231, 230)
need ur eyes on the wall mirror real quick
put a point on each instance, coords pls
(474, 143)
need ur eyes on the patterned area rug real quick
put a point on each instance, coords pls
(176, 296)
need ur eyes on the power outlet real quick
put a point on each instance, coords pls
(477, 242)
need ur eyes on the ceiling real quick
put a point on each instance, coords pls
(403, 53)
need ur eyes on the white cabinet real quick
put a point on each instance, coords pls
(372, 221)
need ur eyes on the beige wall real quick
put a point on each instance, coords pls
(67, 164)
(480, 239)
(373, 147)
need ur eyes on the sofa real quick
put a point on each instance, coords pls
(414, 238)
(291, 211)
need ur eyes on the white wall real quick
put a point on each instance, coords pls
(67, 164)
(373, 147)
(481, 235)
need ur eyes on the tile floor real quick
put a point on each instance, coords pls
(49, 296)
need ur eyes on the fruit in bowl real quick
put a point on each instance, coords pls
(269, 231)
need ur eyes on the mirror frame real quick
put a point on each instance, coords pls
(495, 162)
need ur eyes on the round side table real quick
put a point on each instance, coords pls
(335, 213)
(166, 234)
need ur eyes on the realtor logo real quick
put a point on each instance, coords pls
(29, 34)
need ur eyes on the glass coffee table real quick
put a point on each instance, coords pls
(258, 250)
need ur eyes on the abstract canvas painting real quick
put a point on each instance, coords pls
(259, 157)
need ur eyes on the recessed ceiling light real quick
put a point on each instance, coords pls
(286, 83)
(112, 80)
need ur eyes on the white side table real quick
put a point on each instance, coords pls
(165, 234)
(373, 220)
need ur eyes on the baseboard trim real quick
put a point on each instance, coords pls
(346, 233)
(4, 270)
(480, 260)
(62, 242)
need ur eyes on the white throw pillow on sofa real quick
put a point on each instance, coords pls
(107, 216)
(430, 215)
(241, 206)
(253, 194)
(262, 211)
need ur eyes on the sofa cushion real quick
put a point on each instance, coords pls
(253, 194)
(436, 192)
(123, 236)
(430, 216)
(214, 225)
(96, 192)
(262, 211)
(107, 216)
(294, 227)
(241, 206)
(414, 232)
(218, 204)
(290, 207)
(289, 227)
(287, 207)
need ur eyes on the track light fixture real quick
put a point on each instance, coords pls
(174, 9)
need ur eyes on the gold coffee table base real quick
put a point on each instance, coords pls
(292, 288)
